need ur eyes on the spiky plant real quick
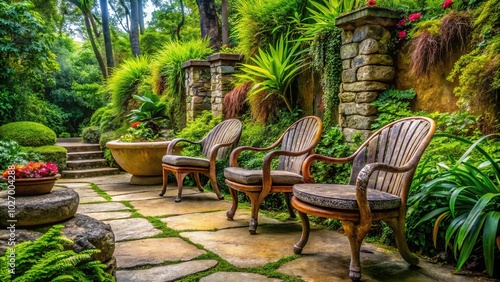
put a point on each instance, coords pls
(126, 81)
(274, 70)
(425, 53)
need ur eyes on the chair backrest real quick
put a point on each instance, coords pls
(399, 143)
(304, 134)
(228, 131)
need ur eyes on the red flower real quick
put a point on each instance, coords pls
(135, 124)
(414, 17)
(447, 4)
(402, 34)
(401, 23)
(371, 3)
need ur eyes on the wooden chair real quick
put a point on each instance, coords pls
(215, 146)
(297, 143)
(381, 175)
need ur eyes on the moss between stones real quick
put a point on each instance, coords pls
(55, 154)
(27, 133)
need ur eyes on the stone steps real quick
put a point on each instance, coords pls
(84, 159)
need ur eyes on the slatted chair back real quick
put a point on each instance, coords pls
(302, 135)
(400, 143)
(228, 131)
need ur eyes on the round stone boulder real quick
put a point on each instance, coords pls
(56, 206)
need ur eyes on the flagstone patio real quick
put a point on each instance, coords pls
(145, 252)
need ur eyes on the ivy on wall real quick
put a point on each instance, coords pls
(325, 54)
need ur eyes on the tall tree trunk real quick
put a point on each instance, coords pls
(141, 16)
(178, 29)
(209, 23)
(134, 27)
(107, 34)
(97, 54)
(225, 24)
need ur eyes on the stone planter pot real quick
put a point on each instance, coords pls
(141, 159)
(35, 186)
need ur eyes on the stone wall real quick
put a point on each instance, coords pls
(368, 68)
(207, 82)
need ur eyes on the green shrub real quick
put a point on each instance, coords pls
(12, 153)
(197, 129)
(46, 259)
(95, 120)
(128, 79)
(91, 134)
(64, 135)
(55, 154)
(28, 133)
(105, 138)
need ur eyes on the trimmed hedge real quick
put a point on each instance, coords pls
(28, 133)
(52, 153)
(91, 134)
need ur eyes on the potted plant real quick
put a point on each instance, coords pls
(34, 178)
(140, 150)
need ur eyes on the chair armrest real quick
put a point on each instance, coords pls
(306, 165)
(362, 184)
(173, 143)
(233, 158)
(212, 154)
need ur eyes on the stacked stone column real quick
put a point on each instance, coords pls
(197, 84)
(222, 70)
(368, 68)
(207, 82)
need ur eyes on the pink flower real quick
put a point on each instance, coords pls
(135, 124)
(401, 23)
(414, 17)
(447, 4)
(402, 34)
(371, 3)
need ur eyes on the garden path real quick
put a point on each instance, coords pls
(159, 240)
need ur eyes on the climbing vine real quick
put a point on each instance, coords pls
(325, 53)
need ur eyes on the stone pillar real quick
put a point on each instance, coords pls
(222, 70)
(368, 68)
(197, 83)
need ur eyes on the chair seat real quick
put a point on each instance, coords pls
(254, 177)
(336, 196)
(185, 161)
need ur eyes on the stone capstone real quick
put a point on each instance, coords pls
(56, 206)
(378, 73)
(368, 31)
(348, 51)
(373, 59)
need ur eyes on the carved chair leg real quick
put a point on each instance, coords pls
(198, 182)
(254, 219)
(234, 195)
(355, 233)
(304, 237)
(180, 179)
(164, 173)
(213, 181)
(398, 226)
(288, 197)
